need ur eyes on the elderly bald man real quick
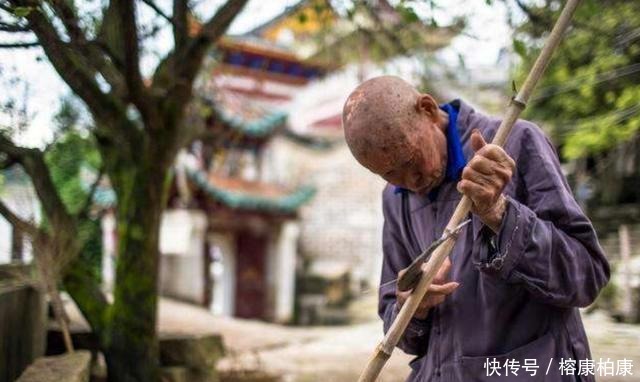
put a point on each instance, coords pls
(506, 301)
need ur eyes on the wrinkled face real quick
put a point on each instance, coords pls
(396, 132)
(416, 162)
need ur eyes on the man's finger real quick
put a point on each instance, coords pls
(477, 141)
(494, 152)
(477, 192)
(444, 289)
(482, 164)
(480, 178)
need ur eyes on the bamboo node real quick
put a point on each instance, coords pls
(383, 351)
(518, 102)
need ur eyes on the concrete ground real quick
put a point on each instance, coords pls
(334, 353)
(338, 353)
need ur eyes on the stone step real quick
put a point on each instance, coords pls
(194, 351)
(185, 374)
(72, 367)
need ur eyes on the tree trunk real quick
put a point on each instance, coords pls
(132, 344)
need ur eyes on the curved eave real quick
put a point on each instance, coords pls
(256, 128)
(287, 204)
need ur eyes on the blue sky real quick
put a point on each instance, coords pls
(487, 33)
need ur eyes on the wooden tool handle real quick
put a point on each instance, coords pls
(410, 276)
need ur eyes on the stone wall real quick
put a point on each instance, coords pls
(341, 228)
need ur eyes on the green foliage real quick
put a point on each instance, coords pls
(22, 11)
(589, 95)
(67, 118)
(66, 159)
(91, 254)
(73, 161)
(408, 14)
(520, 48)
(72, 158)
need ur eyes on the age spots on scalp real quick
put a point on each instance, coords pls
(355, 99)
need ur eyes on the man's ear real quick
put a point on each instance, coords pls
(428, 106)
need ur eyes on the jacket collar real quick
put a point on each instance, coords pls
(457, 135)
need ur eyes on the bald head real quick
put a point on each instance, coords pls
(387, 123)
(378, 114)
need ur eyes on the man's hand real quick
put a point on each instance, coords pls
(438, 290)
(484, 179)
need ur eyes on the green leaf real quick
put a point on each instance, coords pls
(520, 48)
(22, 11)
(408, 14)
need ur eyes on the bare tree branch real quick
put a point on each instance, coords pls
(6, 8)
(5, 164)
(158, 10)
(12, 28)
(533, 17)
(209, 33)
(92, 53)
(13, 219)
(72, 67)
(67, 15)
(546, 22)
(33, 163)
(19, 45)
(180, 25)
(145, 34)
(188, 62)
(396, 42)
(84, 211)
(126, 11)
(128, 36)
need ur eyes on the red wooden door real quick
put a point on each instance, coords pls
(251, 282)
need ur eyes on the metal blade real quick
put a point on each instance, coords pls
(411, 275)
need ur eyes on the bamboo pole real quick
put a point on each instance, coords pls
(625, 257)
(384, 350)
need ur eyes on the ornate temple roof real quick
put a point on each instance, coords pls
(244, 116)
(254, 57)
(234, 193)
(250, 195)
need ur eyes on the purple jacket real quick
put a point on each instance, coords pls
(520, 290)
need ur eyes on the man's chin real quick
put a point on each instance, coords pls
(423, 190)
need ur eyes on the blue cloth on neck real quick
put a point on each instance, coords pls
(455, 156)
